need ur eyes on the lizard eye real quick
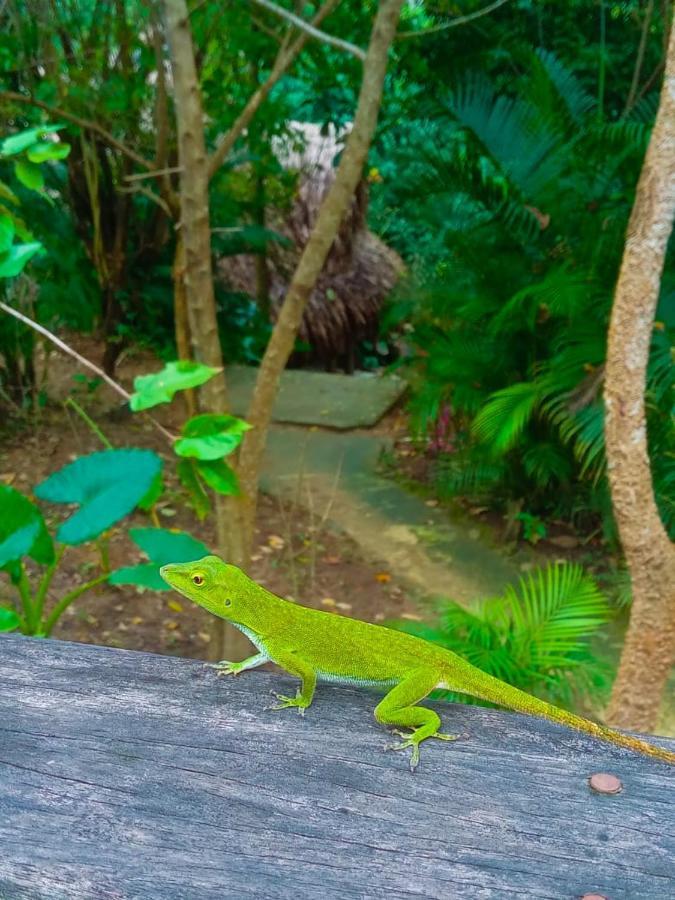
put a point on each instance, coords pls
(198, 580)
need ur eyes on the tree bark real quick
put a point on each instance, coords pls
(649, 650)
(195, 242)
(331, 213)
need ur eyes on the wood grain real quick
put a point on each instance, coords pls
(125, 775)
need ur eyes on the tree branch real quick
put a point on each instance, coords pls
(282, 63)
(85, 124)
(81, 359)
(460, 20)
(312, 30)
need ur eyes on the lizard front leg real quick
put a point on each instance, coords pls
(292, 662)
(224, 667)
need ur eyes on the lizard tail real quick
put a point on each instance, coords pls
(495, 691)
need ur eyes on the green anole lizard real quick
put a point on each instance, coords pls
(315, 645)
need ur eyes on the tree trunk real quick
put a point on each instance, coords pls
(649, 651)
(331, 213)
(195, 234)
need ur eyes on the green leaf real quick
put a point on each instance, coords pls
(199, 499)
(6, 233)
(107, 485)
(144, 575)
(210, 436)
(219, 476)
(153, 494)
(30, 175)
(22, 529)
(13, 261)
(16, 143)
(9, 621)
(47, 150)
(162, 547)
(150, 390)
(503, 418)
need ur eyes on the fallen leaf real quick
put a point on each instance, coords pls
(204, 636)
(345, 607)
(332, 560)
(276, 542)
(137, 620)
(566, 541)
(175, 606)
(383, 577)
(411, 616)
(171, 624)
(328, 601)
(8, 478)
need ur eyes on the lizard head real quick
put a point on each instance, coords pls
(209, 582)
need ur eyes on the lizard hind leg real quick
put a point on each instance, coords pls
(399, 708)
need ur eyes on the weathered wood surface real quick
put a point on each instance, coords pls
(125, 775)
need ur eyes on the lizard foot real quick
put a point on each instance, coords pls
(411, 743)
(287, 702)
(225, 668)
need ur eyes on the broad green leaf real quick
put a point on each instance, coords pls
(22, 529)
(9, 621)
(199, 499)
(160, 387)
(209, 436)
(6, 233)
(162, 547)
(16, 143)
(47, 150)
(30, 175)
(219, 476)
(13, 260)
(144, 575)
(107, 485)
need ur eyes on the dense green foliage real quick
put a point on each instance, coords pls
(509, 193)
(536, 636)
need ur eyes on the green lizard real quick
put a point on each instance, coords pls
(315, 645)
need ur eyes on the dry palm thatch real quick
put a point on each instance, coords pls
(360, 270)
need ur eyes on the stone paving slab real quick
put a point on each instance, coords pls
(320, 398)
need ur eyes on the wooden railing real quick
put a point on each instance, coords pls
(126, 775)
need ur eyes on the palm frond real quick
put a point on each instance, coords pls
(501, 421)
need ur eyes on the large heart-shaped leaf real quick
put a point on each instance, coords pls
(162, 547)
(107, 485)
(210, 436)
(160, 387)
(22, 529)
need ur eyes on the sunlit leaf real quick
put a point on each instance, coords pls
(16, 143)
(160, 387)
(210, 437)
(47, 150)
(13, 260)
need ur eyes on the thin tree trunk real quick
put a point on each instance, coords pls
(196, 238)
(649, 651)
(331, 213)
